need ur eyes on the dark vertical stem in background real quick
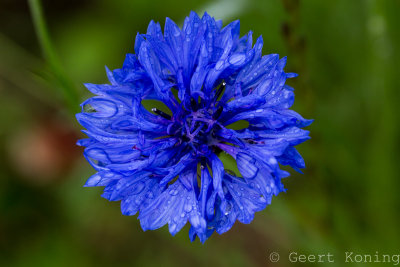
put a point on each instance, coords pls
(296, 45)
(62, 81)
(295, 42)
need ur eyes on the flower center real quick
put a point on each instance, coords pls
(197, 129)
(196, 126)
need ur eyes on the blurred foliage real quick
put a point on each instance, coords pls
(346, 54)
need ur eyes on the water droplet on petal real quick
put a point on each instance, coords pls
(177, 32)
(138, 188)
(237, 59)
(173, 192)
(172, 227)
(228, 209)
(188, 30)
(188, 208)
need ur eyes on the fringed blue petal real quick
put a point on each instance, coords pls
(175, 206)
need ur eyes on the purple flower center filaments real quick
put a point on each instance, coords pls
(198, 125)
(163, 161)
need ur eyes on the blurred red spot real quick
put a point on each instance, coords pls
(44, 152)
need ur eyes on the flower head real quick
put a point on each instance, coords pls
(162, 161)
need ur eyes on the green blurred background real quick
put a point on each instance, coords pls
(347, 55)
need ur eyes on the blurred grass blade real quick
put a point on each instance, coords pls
(66, 86)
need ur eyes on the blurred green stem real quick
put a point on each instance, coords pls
(66, 86)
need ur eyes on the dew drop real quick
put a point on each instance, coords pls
(149, 194)
(237, 59)
(177, 32)
(188, 30)
(155, 215)
(228, 209)
(172, 227)
(138, 188)
(188, 208)
(173, 192)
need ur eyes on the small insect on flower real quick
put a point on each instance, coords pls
(163, 161)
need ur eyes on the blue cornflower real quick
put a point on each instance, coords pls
(163, 161)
